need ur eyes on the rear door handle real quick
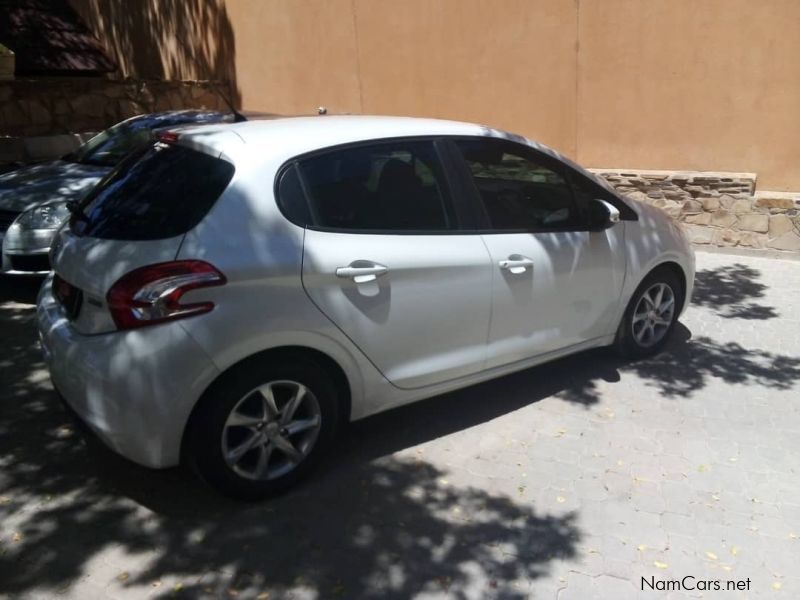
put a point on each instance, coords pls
(362, 271)
(516, 263)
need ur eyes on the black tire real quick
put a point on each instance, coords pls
(626, 342)
(203, 449)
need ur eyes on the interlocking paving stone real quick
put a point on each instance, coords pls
(571, 480)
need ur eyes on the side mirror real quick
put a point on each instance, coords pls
(602, 215)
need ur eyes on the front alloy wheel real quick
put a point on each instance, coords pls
(651, 315)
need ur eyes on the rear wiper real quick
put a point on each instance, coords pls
(76, 211)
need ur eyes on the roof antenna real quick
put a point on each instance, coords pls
(237, 116)
(322, 110)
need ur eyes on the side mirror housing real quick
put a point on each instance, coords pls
(602, 215)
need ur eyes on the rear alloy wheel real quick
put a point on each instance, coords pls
(651, 315)
(271, 430)
(261, 427)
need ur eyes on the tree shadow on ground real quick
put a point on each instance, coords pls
(368, 524)
(728, 290)
(364, 527)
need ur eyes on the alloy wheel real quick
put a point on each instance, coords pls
(653, 315)
(271, 430)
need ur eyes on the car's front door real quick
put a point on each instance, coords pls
(384, 258)
(555, 283)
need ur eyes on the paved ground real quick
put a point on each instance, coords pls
(572, 481)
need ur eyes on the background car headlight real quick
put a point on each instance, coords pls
(47, 216)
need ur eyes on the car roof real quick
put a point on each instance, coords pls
(292, 136)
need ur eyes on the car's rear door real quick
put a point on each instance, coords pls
(386, 259)
(556, 284)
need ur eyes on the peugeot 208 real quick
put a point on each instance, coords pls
(232, 294)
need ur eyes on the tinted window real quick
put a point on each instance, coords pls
(291, 198)
(393, 186)
(519, 191)
(160, 192)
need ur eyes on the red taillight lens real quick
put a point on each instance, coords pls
(152, 294)
(167, 137)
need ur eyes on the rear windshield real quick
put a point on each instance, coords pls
(160, 192)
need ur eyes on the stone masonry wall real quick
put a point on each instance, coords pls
(69, 105)
(722, 209)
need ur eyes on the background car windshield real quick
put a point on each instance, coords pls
(108, 148)
(160, 192)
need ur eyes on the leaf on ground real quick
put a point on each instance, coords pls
(715, 497)
(263, 596)
(123, 576)
(560, 499)
(4, 499)
(177, 588)
(776, 585)
(793, 536)
(726, 568)
(17, 537)
(660, 565)
(702, 468)
(641, 547)
(711, 556)
(735, 550)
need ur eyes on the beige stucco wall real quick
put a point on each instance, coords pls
(656, 84)
(691, 84)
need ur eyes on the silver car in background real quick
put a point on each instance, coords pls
(234, 294)
(33, 199)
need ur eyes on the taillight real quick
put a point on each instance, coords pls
(152, 294)
(167, 137)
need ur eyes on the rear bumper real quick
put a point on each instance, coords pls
(134, 389)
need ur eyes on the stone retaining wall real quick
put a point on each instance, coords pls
(722, 209)
(67, 105)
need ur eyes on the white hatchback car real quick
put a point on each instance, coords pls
(232, 294)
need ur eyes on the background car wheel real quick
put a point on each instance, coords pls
(261, 427)
(650, 316)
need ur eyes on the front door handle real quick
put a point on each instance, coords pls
(516, 263)
(362, 271)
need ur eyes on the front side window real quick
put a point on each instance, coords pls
(518, 191)
(395, 186)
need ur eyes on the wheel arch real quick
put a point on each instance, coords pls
(674, 268)
(325, 361)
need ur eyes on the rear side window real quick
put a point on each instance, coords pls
(161, 192)
(394, 186)
(520, 191)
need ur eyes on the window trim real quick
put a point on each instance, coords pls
(457, 205)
